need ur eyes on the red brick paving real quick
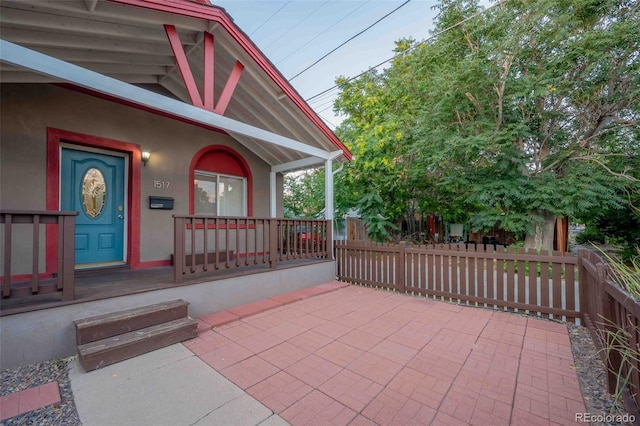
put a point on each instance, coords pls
(352, 355)
(28, 400)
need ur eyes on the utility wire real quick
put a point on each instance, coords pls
(270, 17)
(299, 22)
(327, 29)
(342, 44)
(408, 50)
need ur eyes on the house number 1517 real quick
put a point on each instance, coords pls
(161, 184)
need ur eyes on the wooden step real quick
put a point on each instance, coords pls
(108, 351)
(112, 324)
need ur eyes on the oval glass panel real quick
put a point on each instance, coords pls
(94, 192)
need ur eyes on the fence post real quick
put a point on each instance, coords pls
(585, 309)
(273, 242)
(178, 249)
(328, 240)
(400, 262)
(6, 285)
(67, 275)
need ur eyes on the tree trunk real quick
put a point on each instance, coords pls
(543, 238)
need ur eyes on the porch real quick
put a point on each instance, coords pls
(204, 249)
(219, 262)
(95, 285)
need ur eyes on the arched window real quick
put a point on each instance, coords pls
(222, 183)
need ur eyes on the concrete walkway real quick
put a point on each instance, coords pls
(350, 356)
(170, 386)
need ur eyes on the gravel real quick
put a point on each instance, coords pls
(589, 368)
(593, 378)
(38, 374)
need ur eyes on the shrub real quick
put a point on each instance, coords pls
(590, 235)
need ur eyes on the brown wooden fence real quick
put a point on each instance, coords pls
(512, 279)
(211, 243)
(553, 284)
(29, 227)
(613, 317)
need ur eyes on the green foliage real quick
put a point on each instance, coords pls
(378, 227)
(525, 112)
(590, 235)
(304, 194)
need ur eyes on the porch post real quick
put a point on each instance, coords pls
(272, 194)
(328, 203)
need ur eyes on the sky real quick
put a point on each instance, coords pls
(294, 34)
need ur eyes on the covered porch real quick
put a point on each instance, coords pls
(206, 249)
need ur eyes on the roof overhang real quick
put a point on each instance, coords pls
(120, 49)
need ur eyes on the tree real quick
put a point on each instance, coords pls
(516, 116)
(304, 194)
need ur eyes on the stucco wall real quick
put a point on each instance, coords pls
(26, 110)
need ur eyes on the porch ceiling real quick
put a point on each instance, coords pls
(129, 43)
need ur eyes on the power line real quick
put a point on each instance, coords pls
(342, 44)
(327, 29)
(320, 97)
(299, 22)
(408, 50)
(270, 17)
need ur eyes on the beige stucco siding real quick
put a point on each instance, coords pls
(27, 110)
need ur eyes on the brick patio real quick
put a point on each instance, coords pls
(362, 356)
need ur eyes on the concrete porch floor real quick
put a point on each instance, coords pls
(363, 356)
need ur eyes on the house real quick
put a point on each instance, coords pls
(135, 132)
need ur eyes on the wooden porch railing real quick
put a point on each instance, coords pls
(65, 222)
(204, 244)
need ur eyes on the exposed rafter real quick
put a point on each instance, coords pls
(29, 59)
(91, 4)
(126, 40)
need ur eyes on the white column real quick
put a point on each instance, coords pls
(328, 190)
(273, 211)
(328, 202)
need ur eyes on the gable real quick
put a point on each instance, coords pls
(129, 41)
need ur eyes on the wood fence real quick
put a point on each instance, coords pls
(554, 285)
(613, 317)
(493, 276)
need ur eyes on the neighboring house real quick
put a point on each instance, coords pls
(88, 87)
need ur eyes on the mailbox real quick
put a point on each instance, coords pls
(162, 203)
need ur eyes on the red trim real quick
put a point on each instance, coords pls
(27, 277)
(229, 88)
(183, 65)
(212, 13)
(54, 137)
(153, 263)
(208, 71)
(239, 160)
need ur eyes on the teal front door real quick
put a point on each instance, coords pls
(93, 185)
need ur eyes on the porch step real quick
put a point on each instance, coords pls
(115, 323)
(114, 349)
(109, 338)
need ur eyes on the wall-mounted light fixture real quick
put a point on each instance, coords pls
(145, 157)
